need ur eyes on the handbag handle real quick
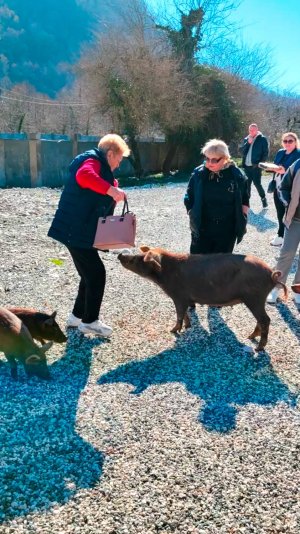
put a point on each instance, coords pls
(125, 208)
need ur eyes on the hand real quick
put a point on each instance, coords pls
(250, 139)
(116, 193)
(281, 170)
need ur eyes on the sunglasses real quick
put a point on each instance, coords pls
(213, 160)
(288, 141)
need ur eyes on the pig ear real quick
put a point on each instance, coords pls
(144, 249)
(154, 259)
(54, 314)
(46, 347)
(33, 359)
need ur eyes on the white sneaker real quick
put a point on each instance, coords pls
(276, 241)
(96, 327)
(273, 296)
(73, 321)
(296, 298)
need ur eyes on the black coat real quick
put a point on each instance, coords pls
(260, 149)
(193, 200)
(76, 218)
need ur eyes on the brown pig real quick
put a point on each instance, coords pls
(18, 345)
(213, 279)
(40, 325)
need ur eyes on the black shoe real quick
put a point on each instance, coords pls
(264, 202)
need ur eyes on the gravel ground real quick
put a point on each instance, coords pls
(145, 432)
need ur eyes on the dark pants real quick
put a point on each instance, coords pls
(92, 283)
(254, 175)
(213, 240)
(280, 210)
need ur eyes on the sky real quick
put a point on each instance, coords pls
(277, 24)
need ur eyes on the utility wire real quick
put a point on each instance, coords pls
(45, 102)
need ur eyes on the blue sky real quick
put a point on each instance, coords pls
(276, 23)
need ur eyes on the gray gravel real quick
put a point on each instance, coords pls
(146, 433)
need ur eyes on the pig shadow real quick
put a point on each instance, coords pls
(292, 322)
(44, 461)
(215, 367)
(260, 221)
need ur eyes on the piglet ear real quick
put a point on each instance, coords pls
(154, 259)
(144, 249)
(54, 314)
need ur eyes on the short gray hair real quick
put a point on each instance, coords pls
(216, 146)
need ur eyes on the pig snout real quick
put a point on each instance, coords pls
(55, 334)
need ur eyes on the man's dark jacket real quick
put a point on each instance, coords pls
(76, 218)
(194, 198)
(260, 149)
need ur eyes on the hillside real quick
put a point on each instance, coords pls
(39, 40)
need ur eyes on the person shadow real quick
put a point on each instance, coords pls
(44, 461)
(292, 322)
(260, 221)
(214, 366)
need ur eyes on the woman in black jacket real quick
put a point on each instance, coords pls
(217, 201)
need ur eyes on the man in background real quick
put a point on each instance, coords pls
(255, 149)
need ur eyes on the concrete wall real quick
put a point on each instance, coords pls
(37, 160)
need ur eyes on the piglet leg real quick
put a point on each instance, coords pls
(181, 316)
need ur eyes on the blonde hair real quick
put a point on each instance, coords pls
(115, 143)
(293, 135)
(217, 147)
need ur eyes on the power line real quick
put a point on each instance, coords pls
(45, 102)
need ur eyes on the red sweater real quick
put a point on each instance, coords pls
(88, 176)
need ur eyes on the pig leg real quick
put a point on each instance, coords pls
(263, 321)
(13, 366)
(181, 309)
(187, 322)
(256, 332)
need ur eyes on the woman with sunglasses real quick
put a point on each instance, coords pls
(217, 201)
(284, 158)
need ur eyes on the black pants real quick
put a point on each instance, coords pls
(254, 175)
(213, 240)
(280, 210)
(92, 283)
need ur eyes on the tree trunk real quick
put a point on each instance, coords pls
(171, 153)
(136, 160)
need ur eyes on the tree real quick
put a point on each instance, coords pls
(135, 80)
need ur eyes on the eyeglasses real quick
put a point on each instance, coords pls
(213, 160)
(288, 141)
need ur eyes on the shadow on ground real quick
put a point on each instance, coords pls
(261, 221)
(292, 322)
(212, 365)
(43, 459)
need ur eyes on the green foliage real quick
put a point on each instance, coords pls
(56, 261)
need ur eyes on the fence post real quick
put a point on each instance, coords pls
(2, 164)
(75, 144)
(34, 158)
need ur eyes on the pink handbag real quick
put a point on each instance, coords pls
(116, 231)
